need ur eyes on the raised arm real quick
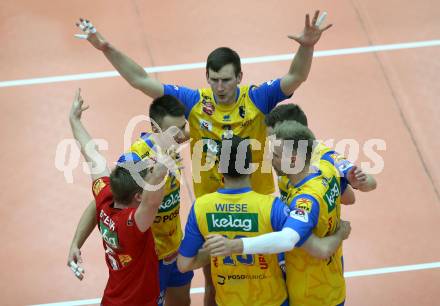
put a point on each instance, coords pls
(133, 73)
(325, 247)
(300, 66)
(85, 227)
(152, 195)
(97, 163)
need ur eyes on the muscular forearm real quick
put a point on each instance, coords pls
(298, 71)
(87, 145)
(202, 259)
(276, 242)
(132, 72)
(301, 63)
(80, 133)
(85, 226)
(129, 70)
(322, 248)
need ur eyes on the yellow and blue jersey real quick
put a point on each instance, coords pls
(316, 201)
(210, 122)
(236, 213)
(321, 154)
(166, 228)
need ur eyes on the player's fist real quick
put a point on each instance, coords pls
(344, 229)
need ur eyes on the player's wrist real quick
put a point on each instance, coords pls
(106, 47)
(237, 246)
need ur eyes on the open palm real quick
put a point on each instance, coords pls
(312, 31)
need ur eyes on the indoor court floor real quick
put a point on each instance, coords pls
(375, 77)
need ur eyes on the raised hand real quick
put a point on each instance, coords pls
(77, 106)
(312, 31)
(90, 33)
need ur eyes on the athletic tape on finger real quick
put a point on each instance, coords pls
(92, 28)
(321, 19)
(81, 36)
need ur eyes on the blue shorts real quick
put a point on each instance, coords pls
(170, 276)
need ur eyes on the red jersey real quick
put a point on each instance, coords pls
(130, 254)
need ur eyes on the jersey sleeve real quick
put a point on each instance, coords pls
(267, 95)
(303, 217)
(193, 239)
(279, 214)
(339, 161)
(101, 191)
(189, 97)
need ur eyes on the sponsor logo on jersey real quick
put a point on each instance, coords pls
(299, 214)
(208, 107)
(165, 218)
(304, 204)
(124, 259)
(98, 185)
(170, 201)
(221, 279)
(110, 237)
(227, 118)
(246, 276)
(343, 165)
(206, 125)
(332, 194)
(232, 222)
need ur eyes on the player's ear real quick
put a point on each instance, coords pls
(239, 77)
(207, 75)
(138, 197)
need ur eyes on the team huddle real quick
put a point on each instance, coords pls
(255, 248)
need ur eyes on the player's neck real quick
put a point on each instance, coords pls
(298, 177)
(237, 183)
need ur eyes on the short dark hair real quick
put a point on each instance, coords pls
(234, 155)
(286, 112)
(123, 185)
(221, 57)
(296, 133)
(166, 105)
